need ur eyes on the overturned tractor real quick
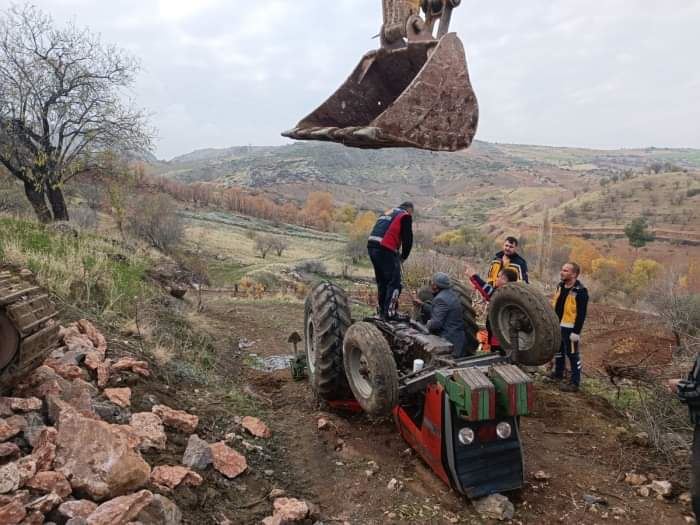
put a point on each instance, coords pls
(414, 91)
(27, 330)
(460, 414)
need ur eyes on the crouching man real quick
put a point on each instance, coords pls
(446, 318)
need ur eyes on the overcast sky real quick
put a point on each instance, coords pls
(216, 73)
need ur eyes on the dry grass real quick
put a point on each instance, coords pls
(237, 246)
(87, 270)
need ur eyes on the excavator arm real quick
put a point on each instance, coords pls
(402, 20)
(414, 91)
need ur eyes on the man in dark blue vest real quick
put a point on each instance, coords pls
(389, 243)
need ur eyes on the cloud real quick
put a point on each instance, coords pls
(221, 72)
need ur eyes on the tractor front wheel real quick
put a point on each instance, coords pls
(370, 369)
(523, 319)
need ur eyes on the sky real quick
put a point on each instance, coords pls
(219, 73)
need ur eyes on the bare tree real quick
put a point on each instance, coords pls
(263, 244)
(279, 244)
(155, 220)
(61, 105)
(679, 308)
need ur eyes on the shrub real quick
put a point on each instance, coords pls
(464, 241)
(312, 266)
(155, 220)
(84, 217)
(12, 199)
(420, 267)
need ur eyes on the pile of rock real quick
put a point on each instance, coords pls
(70, 448)
(647, 485)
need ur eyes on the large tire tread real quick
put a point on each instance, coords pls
(542, 316)
(328, 307)
(385, 379)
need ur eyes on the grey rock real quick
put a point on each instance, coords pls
(149, 401)
(77, 356)
(77, 521)
(495, 506)
(161, 511)
(59, 353)
(661, 487)
(111, 413)
(592, 499)
(9, 478)
(35, 424)
(198, 455)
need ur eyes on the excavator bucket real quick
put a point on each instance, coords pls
(415, 96)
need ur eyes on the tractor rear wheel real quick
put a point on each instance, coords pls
(520, 314)
(326, 319)
(27, 330)
(468, 314)
(371, 369)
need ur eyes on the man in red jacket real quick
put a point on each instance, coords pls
(389, 244)
(505, 276)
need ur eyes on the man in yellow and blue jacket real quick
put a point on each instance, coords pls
(507, 258)
(570, 302)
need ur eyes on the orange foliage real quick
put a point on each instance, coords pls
(362, 225)
(318, 209)
(582, 252)
(236, 200)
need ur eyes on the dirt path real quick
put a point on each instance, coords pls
(572, 438)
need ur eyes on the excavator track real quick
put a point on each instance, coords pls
(28, 332)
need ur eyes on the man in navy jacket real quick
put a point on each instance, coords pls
(389, 243)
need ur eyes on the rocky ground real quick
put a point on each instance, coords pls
(102, 435)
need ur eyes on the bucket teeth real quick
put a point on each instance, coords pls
(290, 133)
(370, 133)
(323, 133)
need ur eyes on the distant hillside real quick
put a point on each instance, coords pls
(474, 186)
(259, 166)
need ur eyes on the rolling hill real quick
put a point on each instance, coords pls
(502, 183)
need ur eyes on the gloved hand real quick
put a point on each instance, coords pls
(574, 338)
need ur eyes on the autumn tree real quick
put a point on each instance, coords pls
(345, 214)
(643, 273)
(609, 272)
(463, 241)
(318, 209)
(61, 103)
(356, 247)
(583, 252)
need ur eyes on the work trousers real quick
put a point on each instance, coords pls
(387, 272)
(568, 349)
